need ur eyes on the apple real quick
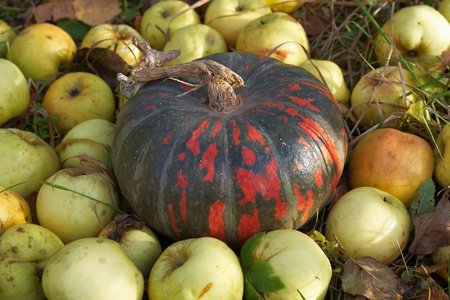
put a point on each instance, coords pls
(287, 6)
(420, 34)
(92, 268)
(229, 17)
(295, 258)
(92, 138)
(379, 94)
(441, 255)
(14, 209)
(195, 41)
(161, 20)
(118, 38)
(444, 9)
(393, 161)
(368, 222)
(442, 157)
(7, 35)
(277, 34)
(77, 97)
(67, 207)
(14, 93)
(141, 245)
(42, 51)
(333, 76)
(196, 268)
(24, 252)
(26, 160)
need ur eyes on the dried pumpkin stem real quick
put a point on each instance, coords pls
(219, 80)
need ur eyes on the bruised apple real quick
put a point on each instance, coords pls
(393, 161)
(14, 209)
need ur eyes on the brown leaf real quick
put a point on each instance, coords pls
(432, 230)
(95, 12)
(102, 62)
(124, 221)
(51, 11)
(369, 278)
(315, 24)
(445, 57)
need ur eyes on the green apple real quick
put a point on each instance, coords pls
(25, 160)
(379, 94)
(420, 34)
(14, 93)
(441, 152)
(42, 51)
(77, 97)
(14, 209)
(24, 252)
(368, 222)
(299, 263)
(71, 211)
(444, 9)
(287, 6)
(92, 268)
(441, 255)
(277, 34)
(333, 76)
(391, 160)
(118, 38)
(161, 20)
(92, 138)
(7, 35)
(229, 17)
(195, 41)
(197, 268)
(141, 245)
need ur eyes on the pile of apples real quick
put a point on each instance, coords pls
(63, 231)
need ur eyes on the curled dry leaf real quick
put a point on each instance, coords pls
(369, 278)
(432, 230)
(51, 12)
(95, 12)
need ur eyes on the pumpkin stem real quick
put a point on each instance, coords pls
(219, 80)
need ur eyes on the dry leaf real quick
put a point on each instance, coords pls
(369, 278)
(51, 12)
(95, 12)
(104, 63)
(432, 230)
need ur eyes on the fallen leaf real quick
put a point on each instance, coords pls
(50, 12)
(101, 62)
(445, 57)
(125, 221)
(95, 12)
(369, 278)
(432, 230)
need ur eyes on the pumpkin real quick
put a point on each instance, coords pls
(272, 163)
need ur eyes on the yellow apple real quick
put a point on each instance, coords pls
(14, 93)
(229, 17)
(118, 38)
(287, 6)
(42, 51)
(444, 9)
(442, 157)
(14, 209)
(77, 97)
(379, 94)
(92, 268)
(333, 76)
(24, 252)
(296, 259)
(7, 35)
(198, 268)
(420, 34)
(74, 214)
(26, 160)
(195, 41)
(369, 222)
(393, 161)
(165, 18)
(92, 138)
(277, 34)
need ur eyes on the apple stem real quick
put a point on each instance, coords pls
(219, 80)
